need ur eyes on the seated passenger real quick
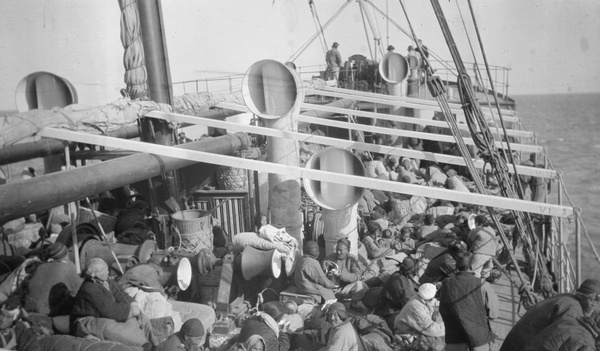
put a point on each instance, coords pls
(265, 324)
(191, 337)
(404, 243)
(374, 243)
(14, 334)
(342, 335)
(419, 319)
(348, 272)
(443, 265)
(429, 226)
(52, 286)
(102, 309)
(396, 292)
(309, 277)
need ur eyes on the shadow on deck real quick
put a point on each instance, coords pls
(508, 298)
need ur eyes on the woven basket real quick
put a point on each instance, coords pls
(195, 230)
(230, 178)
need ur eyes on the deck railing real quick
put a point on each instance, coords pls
(444, 69)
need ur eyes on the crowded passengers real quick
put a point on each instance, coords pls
(418, 278)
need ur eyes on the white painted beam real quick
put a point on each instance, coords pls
(344, 144)
(292, 171)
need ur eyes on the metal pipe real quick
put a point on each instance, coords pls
(46, 147)
(40, 193)
(155, 50)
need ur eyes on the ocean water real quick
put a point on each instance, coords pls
(568, 125)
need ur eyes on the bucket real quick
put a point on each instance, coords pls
(195, 230)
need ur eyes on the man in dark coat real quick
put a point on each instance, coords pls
(396, 292)
(52, 286)
(467, 304)
(191, 337)
(104, 310)
(541, 315)
(443, 265)
(265, 324)
(309, 277)
(567, 334)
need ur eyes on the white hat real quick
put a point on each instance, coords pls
(427, 291)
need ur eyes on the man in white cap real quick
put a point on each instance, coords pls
(333, 58)
(419, 318)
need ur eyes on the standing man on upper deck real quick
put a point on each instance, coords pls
(334, 62)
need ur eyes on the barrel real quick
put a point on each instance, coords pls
(195, 230)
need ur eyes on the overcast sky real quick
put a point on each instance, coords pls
(551, 46)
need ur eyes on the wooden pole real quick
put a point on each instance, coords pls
(87, 200)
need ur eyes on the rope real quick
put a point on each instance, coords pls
(136, 76)
(362, 15)
(437, 90)
(320, 31)
(500, 167)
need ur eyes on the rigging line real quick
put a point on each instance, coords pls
(511, 158)
(436, 87)
(376, 30)
(362, 15)
(446, 66)
(314, 36)
(376, 35)
(510, 155)
(477, 72)
(313, 10)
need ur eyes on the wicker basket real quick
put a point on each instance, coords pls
(195, 230)
(230, 178)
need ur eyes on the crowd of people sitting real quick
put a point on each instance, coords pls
(45, 297)
(422, 279)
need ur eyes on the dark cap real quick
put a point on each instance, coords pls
(589, 286)
(391, 47)
(311, 248)
(340, 309)
(407, 266)
(335, 44)
(56, 251)
(192, 327)
(344, 241)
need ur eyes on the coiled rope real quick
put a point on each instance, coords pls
(135, 76)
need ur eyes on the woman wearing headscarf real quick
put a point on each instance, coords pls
(418, 320)
(265, 324)
(342, 336)
(104, 310)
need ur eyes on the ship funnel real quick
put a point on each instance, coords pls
(271, 89)
(393, 68)
(331, 195)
